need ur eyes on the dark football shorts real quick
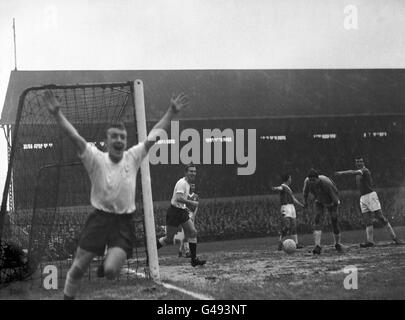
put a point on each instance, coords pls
(108, 229)
(176, 216)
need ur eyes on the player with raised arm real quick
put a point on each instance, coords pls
(326, 198)
(113, 181)
(177, 215)
(289, 216)
(369, 203)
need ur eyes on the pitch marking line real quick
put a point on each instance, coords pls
(190, 293)
(173, 287)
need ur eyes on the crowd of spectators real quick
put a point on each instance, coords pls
(233, 206)
(260, 215)
(56, 233)
(385, 157)
(383, 152)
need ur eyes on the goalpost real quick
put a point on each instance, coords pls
(51, 189)
(146, 184)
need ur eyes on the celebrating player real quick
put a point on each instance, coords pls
(289, 216)
(113, 181)
(369, 203)
(177, 215)
(326, 198)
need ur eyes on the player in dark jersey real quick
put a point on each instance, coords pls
(326, 198)
(369, 202)
(289, 216)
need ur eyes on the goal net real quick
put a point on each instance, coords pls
(49, 185)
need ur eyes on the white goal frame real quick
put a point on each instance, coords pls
(150, 232)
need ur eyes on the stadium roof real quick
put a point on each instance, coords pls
(241, 93)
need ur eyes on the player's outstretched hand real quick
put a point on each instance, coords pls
(179, 102)
(337, 174)
(51, 102)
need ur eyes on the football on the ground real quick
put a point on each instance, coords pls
(289, 246)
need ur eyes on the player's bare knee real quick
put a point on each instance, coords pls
(335, 225)
(369, 221)
(381, 217)
(190, 233)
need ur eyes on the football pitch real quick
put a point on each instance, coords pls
(250, 269)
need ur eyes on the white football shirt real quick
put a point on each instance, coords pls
(113, 185)
(183, 187)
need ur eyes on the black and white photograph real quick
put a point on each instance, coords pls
(200, 150)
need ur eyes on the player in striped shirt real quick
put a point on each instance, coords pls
(289, 216)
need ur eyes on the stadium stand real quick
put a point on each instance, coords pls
(302, 118)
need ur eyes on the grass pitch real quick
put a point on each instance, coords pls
(252, 269)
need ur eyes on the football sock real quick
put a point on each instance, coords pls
(193, 250)
(370, 234)
(337, 238)
(295, 238)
